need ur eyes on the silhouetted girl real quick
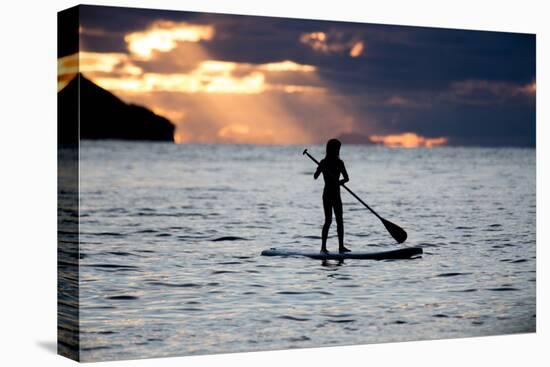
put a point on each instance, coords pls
(332, 167)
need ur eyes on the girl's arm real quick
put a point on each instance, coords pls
(345, 174)
(318, 171)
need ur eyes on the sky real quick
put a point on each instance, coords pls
(266, 80)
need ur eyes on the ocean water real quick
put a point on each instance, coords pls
(171, 237)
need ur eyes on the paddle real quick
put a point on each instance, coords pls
(396, 232)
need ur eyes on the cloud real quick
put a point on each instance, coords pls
(67, 68)
(163, 36)
(97, 32)
(108, 63)
(318, 78)
(407, 102)
(287, 65)
(209, 76)
(482, 92)
(217, 101)
(316, 40)
(119, 72)
(357, 49)
(195, 82)
(115, 65)
(334, 42)
(408, 140)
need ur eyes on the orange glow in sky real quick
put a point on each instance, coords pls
(169, 69)
(530, 88)
(117, 72)
(196, 82)
(408, 140)
(332, 42)
(357, 49)
(163, 36)
(287, 65)
(211, 89)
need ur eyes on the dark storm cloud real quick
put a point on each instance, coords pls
(472, 86)
(123, 20)
(109, 24)
(426, 62)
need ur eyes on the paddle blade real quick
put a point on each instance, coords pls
(396, 232)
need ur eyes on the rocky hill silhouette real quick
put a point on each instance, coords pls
(105, 116)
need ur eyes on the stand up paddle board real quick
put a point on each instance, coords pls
(404, 253)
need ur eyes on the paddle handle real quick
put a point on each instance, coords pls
(345, 187)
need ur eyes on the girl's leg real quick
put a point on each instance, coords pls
(328, 220)
(339, 224)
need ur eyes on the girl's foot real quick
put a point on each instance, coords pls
(324, 250)
(343, 249)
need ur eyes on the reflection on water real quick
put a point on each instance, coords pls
(171, 237)
(67, 252)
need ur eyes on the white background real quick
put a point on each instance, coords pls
(28, 181)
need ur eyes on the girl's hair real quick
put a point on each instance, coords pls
(333, 148)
